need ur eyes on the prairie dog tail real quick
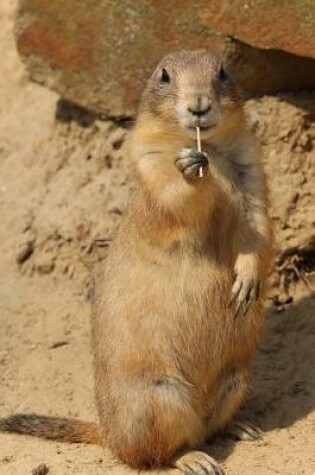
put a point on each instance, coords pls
(54, 428)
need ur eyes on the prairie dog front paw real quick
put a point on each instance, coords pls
(245, 289)
(192, 164)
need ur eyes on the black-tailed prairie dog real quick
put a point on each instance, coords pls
(178, 312)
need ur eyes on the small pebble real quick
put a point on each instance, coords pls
(25, 253)
(58, 344)
(42, 469)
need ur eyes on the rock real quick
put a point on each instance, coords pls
(44, 264)
(58, 344)
(287, 26)
(99, 54)
(42, 469)
(25, 253)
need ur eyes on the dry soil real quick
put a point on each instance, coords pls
(64, 184)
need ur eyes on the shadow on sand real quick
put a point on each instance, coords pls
(283, 385)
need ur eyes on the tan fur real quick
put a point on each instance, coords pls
(162, 312)
(171, 358)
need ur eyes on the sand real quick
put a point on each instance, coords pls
(64, 185)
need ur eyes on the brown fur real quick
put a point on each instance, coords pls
(55, 428)
(171, 358)
(166, 340)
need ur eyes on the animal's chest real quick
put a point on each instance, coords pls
(191, 296)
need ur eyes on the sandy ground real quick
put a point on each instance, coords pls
(64, 181)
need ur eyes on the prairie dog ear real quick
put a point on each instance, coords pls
(223, 76)
(165, 76)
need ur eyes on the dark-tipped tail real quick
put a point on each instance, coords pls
(54, 428)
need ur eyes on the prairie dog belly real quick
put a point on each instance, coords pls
(169, 315)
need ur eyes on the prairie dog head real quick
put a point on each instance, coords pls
(190, 89)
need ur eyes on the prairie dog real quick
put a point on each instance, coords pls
(177, 314)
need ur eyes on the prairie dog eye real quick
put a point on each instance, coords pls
(165, 77)
(223, 77)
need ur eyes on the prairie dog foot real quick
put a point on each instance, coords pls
(243, 431)
(197, 463)
(191, 163)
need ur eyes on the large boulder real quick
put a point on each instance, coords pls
(287, 25)
(99, 53)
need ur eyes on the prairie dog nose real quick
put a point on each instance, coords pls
(199, 105)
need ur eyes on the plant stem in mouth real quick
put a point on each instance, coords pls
(199, 149)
